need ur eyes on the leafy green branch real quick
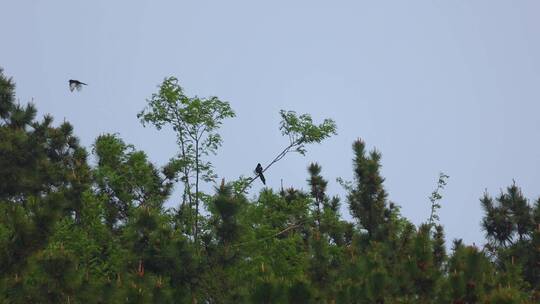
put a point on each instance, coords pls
(301, 131)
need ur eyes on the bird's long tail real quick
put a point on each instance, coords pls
(262, 179)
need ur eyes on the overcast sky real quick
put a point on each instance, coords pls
(448, 86)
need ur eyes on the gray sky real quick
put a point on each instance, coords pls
(448, 86)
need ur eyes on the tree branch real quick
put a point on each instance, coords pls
(276, 159)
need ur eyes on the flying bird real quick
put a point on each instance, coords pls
(75, 84)
(259, 171)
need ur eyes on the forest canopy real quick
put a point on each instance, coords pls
(75, 231)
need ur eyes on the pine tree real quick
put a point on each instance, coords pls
(43, 176)
(531, 267)
(439, 249)
(222, 254)
(367, 199)
(318, 191)
(509, 217)
(126, 179)
(470, 273)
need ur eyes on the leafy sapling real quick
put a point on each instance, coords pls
(435, 199)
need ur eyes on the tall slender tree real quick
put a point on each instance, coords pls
(195, 121)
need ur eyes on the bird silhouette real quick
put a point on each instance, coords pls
(75, 84)
(259, 171)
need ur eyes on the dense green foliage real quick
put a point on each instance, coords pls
(73, 231)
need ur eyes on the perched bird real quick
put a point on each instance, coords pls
(259, 171)
(75, 84)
